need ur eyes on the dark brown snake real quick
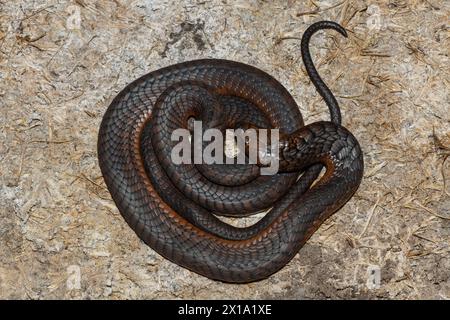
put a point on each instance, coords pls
(173, 208)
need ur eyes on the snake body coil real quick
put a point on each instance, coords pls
(173, 208)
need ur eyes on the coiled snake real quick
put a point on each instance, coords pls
(173, 208)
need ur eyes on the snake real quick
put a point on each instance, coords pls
(177, 209)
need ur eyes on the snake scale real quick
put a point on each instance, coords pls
(174, 208)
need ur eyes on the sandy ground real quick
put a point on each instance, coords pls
(62, 62)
